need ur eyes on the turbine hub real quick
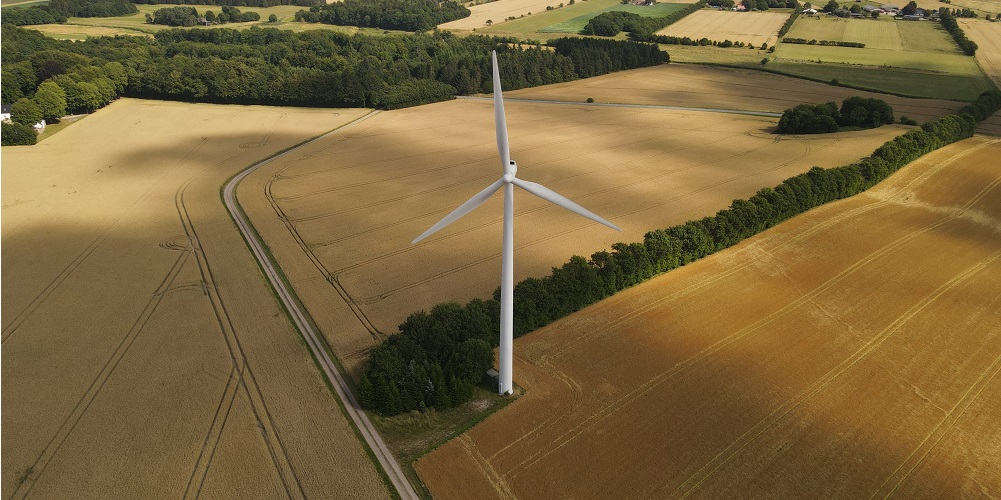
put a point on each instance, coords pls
(508, 178)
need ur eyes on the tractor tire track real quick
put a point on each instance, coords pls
(247, 380)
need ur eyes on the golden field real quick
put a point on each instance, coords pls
(850, 352)
(987, 36)
(340, 213)
(754, 28)
(721, 88)
(144, 355)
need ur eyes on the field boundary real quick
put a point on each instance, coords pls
(388, 467)
(769, 114)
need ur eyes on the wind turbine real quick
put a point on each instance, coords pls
(508, 181)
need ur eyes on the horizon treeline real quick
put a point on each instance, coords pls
(406, 15)
(57, 11)
(436, 356)
(318, 68)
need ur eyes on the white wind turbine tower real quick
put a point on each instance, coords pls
(508, 181)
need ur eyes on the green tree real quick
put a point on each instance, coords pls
(272, 19)
(51, 99)
(17, 134)
(26, 112)
(832, 5)
(910, 9)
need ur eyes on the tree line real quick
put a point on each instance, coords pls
(614, 22)
(833, 43)
(57, 11)
(437, 355)
(786, 26)
(234, 3)
(406, 15)
(188, 16)
(950, 24)
(855, 113)
(684, 40)
(318, 68)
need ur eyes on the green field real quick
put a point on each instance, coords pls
(528, 26)
(576, 24)
(80, 28)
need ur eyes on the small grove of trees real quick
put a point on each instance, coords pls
(403, 372)
(235, 3)
(969, 47)
(188, 16)
(834, 43)
(614, 22)
(57, 11)
(855, 113)
(411, 15)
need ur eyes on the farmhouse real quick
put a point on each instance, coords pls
(810, 12)
(5, 112)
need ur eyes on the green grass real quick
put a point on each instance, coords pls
(528, 26)
(892, 80)
(924, 61)
(576, 24)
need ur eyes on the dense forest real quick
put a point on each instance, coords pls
(406, 15)
(318, 68)
(855, 113)
(436, 356)
(56, 11)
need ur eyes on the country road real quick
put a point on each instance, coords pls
(300, 318)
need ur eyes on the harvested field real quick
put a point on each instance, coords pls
(875, 34)
(144, 355)
(339, 215)
(81, 32)
(851, 352)
(987, 36)
(723, 88)
(754, 28)
(499, 10)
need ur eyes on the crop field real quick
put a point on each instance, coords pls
(498, 11)
(543, 24)
(987, 36)
(749, 27)
(850, 352)
(143, 354)
(906, 57)
(982, 7)
(339, 215)
(577, 24)
(720, 88)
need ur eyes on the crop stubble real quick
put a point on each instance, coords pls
(143, 354)
(748, 27)
(849, 352)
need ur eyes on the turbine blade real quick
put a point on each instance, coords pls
(463, 209)
(500, 121)
(558, 199)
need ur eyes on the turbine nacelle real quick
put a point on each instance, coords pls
(508, 181)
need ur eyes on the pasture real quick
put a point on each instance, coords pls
(754, 28)
(849, 352)
(915, 58)
(543, 24)
(575, 25)
(987, 36)
(339, 215)
(499, 10)
(143, 354)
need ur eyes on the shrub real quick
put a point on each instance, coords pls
(17, 134)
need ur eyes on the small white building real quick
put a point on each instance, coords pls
(5, 112)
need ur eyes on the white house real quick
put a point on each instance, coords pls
(5, 113)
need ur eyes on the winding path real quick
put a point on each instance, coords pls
(300, 318)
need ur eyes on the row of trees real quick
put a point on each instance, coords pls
(855, 113)
(454, 338)
(188, 16)
(57, 11)
(767, 4)
(614, 22)
(969, 47)
(684, 40)
(786, 26)
(835, 43)
(235, 3)
(313, 68)
(406, 15)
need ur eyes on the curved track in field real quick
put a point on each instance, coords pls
(310, 335)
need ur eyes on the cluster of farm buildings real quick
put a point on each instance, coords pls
(872, 10)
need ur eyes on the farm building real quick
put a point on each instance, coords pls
(5, 112)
